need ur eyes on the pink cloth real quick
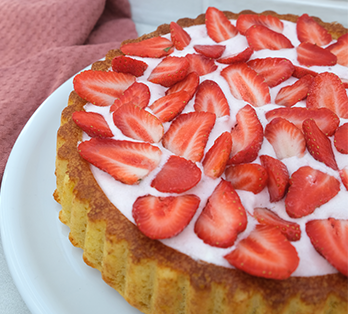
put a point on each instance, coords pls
(42, 44)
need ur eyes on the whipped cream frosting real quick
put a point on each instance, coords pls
(123, 196)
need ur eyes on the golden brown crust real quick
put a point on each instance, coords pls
(153, 277)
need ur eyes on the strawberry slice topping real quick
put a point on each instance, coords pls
(278, 177)
(242, 56)
(210, 51)
(330, 237)
(340, 50)
(248, 177)
(310, 54)
(101, 88)
(129, 65)
(189, 84)
(341, 139)
(219, 28)
(309, 188)
(328, 91)
(287, 139)
(128, 162)
(245, 21)
(318, 144)
(344, 176)
(265, 253)
(179, 36)
(164, 217)
(178, 175)
(211, 98)
(291, 230)
(138, 124)
(301, 72)
(200, 64)
(309, 30)
(155, 47)
(92, 123)
(222, 218)
(188, 134)
(245, 84)
(274, 70)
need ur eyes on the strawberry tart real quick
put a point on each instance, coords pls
(203, 168)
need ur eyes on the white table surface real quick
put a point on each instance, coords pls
(147, 17)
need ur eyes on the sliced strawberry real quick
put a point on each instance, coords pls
(248, 177)
(245, 21)
(178, 175)
(242, 56)
(169, 106)
(92, 123)
(287, 139)
(310, 54)
(326, 120)
(340, 50)
(318, 144)
(210, 51)
(179, 36)
(215, 159)
(245, 84)
(219, 28)
(128, 162)
(328, 91)
(291, 230)
(247, 136)
(211, 98)
(265, 253)
(344, 176)
(260, 37)
(330, 237)
(301, 72)
(155, 47)
(169, 71)
(129, 65)
(101, 88)
(291, 94)
(278, 177)
(309, 188)
(189, 84)
(309, 30)
(138, 124)
(136, 94)
(188, 134)
(164, 217)
(274, 70)
(222, 218)
(341, 139)
(200, 64)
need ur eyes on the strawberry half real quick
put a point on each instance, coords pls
(188, 134)
(155, 47)
(245, 21)
(214, 162)
(278, 177)
(287, 139)
(101, 88)
(128, 162)
(274, 70)
(339, 49)
(301, 72)
(260, 37)
(200, 64)
(291, 94)
(178, 175)
(341, 139)
(169, 71)
(330, 237)
(164, 217)
(247, 136)
(219, 28)
(328, 91)
(245, 84)
(210, 51)
(222, 218)
(310, 54)
(92, 123)
(318, 144)
(248, 177)
(211, 98)
(344, 176)
(309, 188)
(265, 253)
(129, 65)
(242, 56)
(189, 84)
(179, 36)
(138, 124)
(291, 230)
(309, 30)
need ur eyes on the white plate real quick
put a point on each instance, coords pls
(47, 270)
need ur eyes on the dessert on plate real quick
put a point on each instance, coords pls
(203, 168)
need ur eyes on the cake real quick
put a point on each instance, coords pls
(249, 152)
